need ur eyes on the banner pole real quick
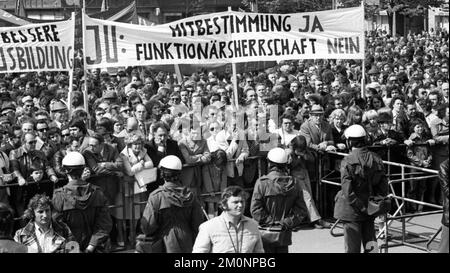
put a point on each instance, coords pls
(69, 96)
(85, 91)
(234, 79)
(363, 78)
(178, 72)
(235, 85)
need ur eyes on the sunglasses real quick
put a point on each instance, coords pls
(42, 130)
(65, 135)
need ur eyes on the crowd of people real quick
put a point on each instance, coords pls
(138, 116)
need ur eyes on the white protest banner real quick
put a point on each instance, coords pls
(227, 37)
(37, 47)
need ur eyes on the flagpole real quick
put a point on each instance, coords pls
(85, 93)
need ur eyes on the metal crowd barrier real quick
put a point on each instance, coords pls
(320, 195)
(400, 201)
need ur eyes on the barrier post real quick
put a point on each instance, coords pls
(259, 167)
(133, 221)
(386, 232)
(124, 212)
(318, 176)
(389, 159)
(403, 204)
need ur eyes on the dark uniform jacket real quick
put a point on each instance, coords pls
(360, 169)
(443, 178)
(84, 208)
(173, 214)
(277, 201)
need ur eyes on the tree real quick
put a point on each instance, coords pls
(193, 7)
(288, 6)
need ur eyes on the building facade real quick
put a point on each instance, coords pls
(156, 11)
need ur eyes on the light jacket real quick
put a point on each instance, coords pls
(216, 234)
(233, 149)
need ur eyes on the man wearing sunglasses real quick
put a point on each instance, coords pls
(42, 139)
(27, 109)
(176, 108)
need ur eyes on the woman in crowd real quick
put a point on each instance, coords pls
(135, 161)
(354, 116)
(337, 119)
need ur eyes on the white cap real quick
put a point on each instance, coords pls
(277, 155)
(355, 131)
(171, 162)
(73, 160)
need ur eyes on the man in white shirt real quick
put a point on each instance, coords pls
(230, 232)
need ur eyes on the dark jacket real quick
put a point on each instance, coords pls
(443, 179)
(57, 163)
(360, 169)
(419, 154)
(106, 168)
(84, 208)
(338, 137)
(22, 160)
(173, 214)
(156, 156)
(277, 201)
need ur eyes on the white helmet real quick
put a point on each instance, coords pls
(355, 131)
(171, 162)
(277, 155)
(73, 160)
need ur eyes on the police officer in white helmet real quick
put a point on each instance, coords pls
(362, 175)
(83, 207)
(172, 215)
(277, 203)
